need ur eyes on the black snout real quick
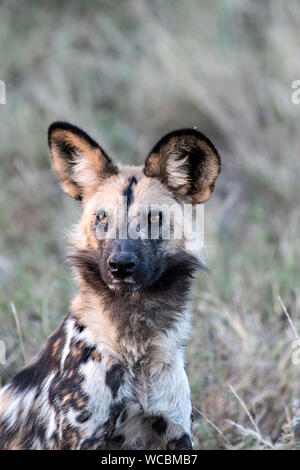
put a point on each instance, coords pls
(122, 264)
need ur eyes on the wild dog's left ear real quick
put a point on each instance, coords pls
(78, 160)
(187, 162)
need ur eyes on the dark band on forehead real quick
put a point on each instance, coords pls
(128, 191)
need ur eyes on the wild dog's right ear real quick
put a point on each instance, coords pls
(78, 160)
(187, 163)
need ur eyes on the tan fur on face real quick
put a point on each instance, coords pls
(146, 193)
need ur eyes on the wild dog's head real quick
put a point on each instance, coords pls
(125, 238)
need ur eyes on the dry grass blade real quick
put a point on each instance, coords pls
(14, 311)
(243, 405)
(214, 426)
(250, 433)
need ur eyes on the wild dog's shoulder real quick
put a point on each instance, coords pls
(48, 403)
(20, 397)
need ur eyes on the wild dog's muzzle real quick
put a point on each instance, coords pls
(122, 264)
(132, 264)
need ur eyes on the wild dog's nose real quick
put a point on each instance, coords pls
(122, 264)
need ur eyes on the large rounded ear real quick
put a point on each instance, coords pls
(78, 160)
(187, 162)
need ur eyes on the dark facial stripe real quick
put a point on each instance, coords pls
(128, 191)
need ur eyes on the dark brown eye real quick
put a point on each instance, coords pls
(102, 217)
(154, 218)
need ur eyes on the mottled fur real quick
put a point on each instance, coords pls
(112, 375)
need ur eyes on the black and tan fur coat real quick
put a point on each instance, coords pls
(112, 375)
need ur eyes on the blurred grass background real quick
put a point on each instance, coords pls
(128, 72)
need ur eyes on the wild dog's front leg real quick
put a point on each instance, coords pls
(108, 399)
(171, 406)
(85, 394)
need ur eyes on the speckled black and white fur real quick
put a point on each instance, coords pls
(112, 375)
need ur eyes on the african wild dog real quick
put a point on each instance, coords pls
(112, 375)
